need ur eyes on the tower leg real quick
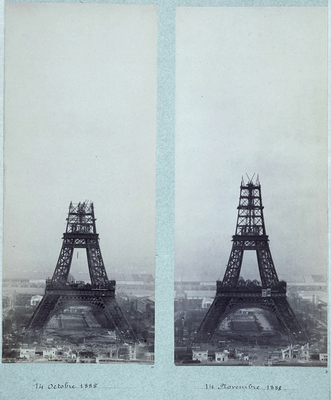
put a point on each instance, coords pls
(114, 313)
(43, 312)
(286, 315)
(212, 320)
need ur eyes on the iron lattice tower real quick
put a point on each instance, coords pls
(99, 294)
(233, 293)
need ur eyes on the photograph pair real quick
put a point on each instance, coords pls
(81, 191)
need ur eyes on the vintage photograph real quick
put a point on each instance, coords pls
(251, 187)
(79, 196)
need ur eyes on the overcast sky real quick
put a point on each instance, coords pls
(80, 123)
(251, 97)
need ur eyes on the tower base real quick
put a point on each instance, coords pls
(225, 304)
(101, 301)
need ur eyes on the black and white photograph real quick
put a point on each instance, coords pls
(79, 183)
(251, 187)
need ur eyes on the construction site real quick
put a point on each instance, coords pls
(250, 322)
(67, 320)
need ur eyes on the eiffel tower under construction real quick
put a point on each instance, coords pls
(233, 293)
(99, 295)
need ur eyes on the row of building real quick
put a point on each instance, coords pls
(114, 353)
(290, 353)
